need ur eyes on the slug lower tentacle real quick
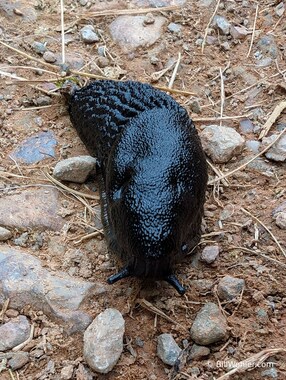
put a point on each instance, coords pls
(152, 170)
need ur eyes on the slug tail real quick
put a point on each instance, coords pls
(172, 280)
(123, 273)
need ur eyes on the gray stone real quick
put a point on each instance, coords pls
(25, 282)
(243, 74)
(230, 287)
(205, 3)
(253, 145)
(130, 32)
(264, 62)
(221, 143)
(278, 151)
(238, 32)
(198, 352)
(167, 349)
(246, 126)
(18, 360)
(267, 46)
(5, 234)
(278, 209)
(195, 106)
(280, 220)
(74, 169)
(31, 209)
(280, 9)
(49, 57)
(222, 24)
(66, 372)
(209, 254)
(14, 332)
(209, 326)
(202, 285)
(36, 148)
(103, 341)
(22, 239)
(270, 372)
(38, 47)
(174, 28)
(89, 35)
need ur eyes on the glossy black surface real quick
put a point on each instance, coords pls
(153, 174)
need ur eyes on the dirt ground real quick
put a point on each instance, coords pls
(247, 249)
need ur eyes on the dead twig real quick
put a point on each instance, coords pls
(252, 362)
(266, 228)
(4, 308)
(215, 118)
(208, 25)
(63, 32)
(272, 118)
(147, 305)
(253, 31)
(173, 77)
(222, 95)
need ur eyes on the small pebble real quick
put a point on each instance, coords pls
(22, 240)
(67, 372)
(18, 360)
(280, 9)
(43, 101)
(14, 332)
(5, 234)
(174, 28)
(280, 220)
(103, 341)
(238, 32)
(230, 287)
(149, 19)
(167, 349)
(222, 24)
(209, 254)
(209, 326)
(74, 169)
(49, 57)
(198, 352)
(102, 62)
(38, 47)
(195, 106)
(89, 35)
(270, 373)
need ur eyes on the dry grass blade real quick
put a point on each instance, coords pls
(80, 239)
(222, 95)
(215, 118)
(248, 162)
(68, 189)
(252, 362)
(259, 253)
(8, 174)
(266, 228)
(253, 31)
(4, 308)
(208, 25)
(272, 118)
(172, 90)
(174, 74)
(217, 171)
(117, 12)
(147, 305)
(63, 32)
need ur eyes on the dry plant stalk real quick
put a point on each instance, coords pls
(208, 25)
(147, 305)
(253, 31)
(252, 362)
(173, 77)
(117, 12)
(272, 118)
(23, 344)
(266, 228)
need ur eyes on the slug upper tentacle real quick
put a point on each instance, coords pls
(153, 174)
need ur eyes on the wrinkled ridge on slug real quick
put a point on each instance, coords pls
(152, 174)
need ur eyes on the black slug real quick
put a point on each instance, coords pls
(152, 170)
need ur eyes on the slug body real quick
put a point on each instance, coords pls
(153, 174)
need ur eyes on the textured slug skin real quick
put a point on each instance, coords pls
(153, 172)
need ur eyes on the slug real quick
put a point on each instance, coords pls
(152, 174)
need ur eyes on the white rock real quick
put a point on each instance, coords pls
(221, 143)
(280, 220)
(278, 151)
(103, 341)
(5, 234)
(167, 349)
(74, 169)
(130, 32)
